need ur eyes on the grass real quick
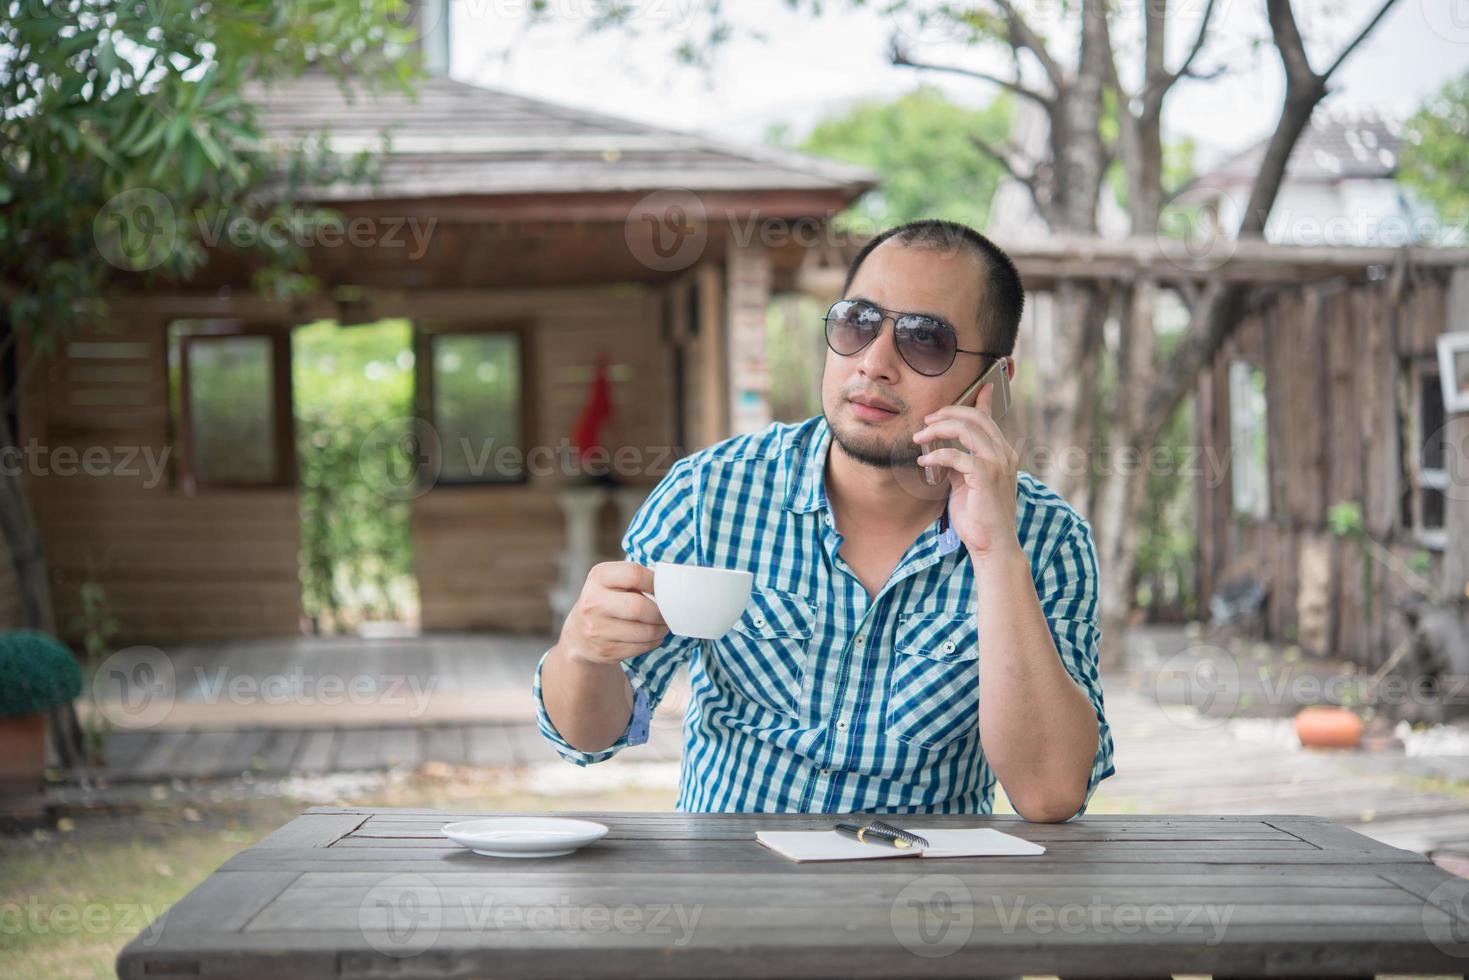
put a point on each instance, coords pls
(71, 898)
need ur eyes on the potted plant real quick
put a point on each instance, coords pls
(37, 673)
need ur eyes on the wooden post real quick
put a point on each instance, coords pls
(712, 378)
(1456, 456)
(747, 276)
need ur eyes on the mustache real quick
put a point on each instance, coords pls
(878, 394)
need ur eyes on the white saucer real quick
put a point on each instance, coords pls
(524, 837)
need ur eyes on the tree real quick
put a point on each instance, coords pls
(1099, 109)
(127, 134)
(1149, 389)
(1435, 154)
(924, 146)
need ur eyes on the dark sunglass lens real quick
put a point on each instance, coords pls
(850, 326)
(926, 344)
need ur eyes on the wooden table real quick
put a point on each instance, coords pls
(378, 893)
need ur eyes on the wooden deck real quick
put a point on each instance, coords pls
(1166, 762)
(150, 756)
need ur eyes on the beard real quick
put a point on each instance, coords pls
(873, 449)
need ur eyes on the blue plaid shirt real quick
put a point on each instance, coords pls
(821, 698)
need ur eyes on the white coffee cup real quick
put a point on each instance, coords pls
(700, 602)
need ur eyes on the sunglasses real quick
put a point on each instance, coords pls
(927, 345)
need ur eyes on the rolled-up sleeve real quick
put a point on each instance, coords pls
(1068, 593)
(664, 529)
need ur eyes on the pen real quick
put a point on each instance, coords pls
(878, 832)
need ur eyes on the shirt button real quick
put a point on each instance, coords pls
(842, 725)
(826, 772)
(760, 622)
(861, 639)
(948, 646)
(827, 518)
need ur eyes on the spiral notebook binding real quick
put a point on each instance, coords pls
(912, 840)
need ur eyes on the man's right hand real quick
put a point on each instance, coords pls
(612, 620)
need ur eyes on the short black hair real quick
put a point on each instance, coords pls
(1003, 298)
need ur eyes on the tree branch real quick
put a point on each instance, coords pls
(1215, 314)
(1002, 157)
(1287, 36)
(1361, 36)
(899, 56)
(1028, 180)
(1023, 35)
(1183, 69)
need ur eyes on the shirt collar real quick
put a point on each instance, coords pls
(806, 484)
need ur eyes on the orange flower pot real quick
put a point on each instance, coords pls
(1328, 728)
(22, 754)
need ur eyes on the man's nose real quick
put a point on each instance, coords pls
(880, 359)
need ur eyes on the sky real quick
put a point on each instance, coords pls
(809, 67)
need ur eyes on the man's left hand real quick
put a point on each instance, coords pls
(982, 476)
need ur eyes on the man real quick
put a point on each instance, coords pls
(903, 647)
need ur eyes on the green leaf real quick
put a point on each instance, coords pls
(69, 46)
(131, 137)
(100, 150)
(193, 166)
(211, 148)
(107, 61)
(152, 139)
(175, 132)
(201, 91)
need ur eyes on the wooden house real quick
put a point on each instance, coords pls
(539, 234)
(1327, 394)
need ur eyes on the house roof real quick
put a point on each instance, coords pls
(452, 139)
(1338, 144)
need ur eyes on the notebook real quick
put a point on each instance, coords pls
(828, 845)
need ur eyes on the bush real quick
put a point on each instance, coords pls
(36, 673)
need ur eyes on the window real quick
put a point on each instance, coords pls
(1249, 441)
(230, 405)
(476, 403)
(1426, 456)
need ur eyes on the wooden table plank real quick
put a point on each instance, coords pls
(311, 830)
(327, 895)
(399, 827)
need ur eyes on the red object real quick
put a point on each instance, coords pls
(596, 413)
(22, 755)
(1328, 728)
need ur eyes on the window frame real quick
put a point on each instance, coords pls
(425, 333)
(1423, 377)
(1263, 428)
(282, 406)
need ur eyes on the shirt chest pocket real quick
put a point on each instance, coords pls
(933, 696)
(763, 656)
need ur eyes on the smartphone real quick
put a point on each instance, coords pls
(932, 475)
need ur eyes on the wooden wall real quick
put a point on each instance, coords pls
(485, 556)
(219, 564)
(1334, 356)
(10, 612)
(747, 294)
(224, 563)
